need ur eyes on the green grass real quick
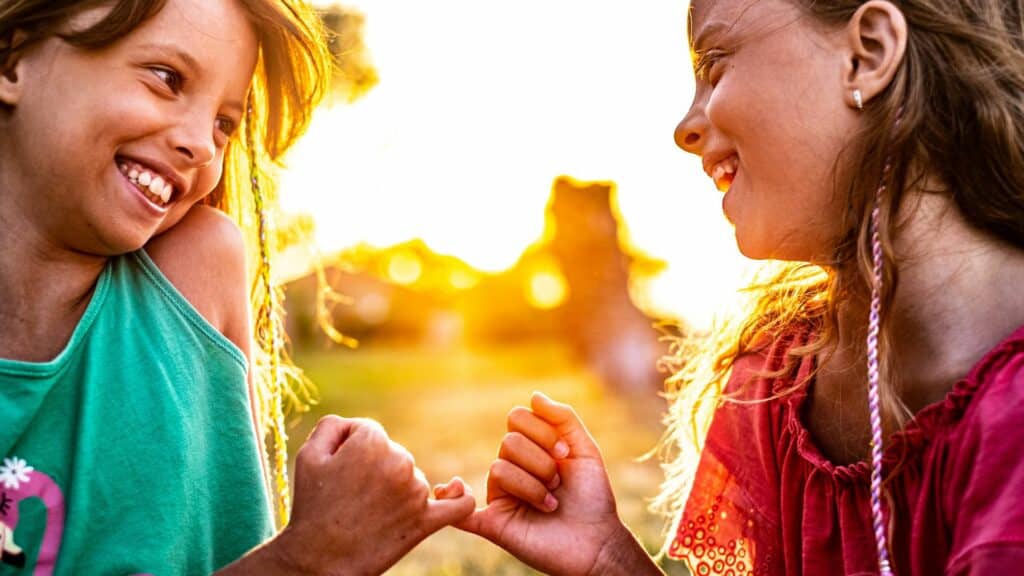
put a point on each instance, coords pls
(448, 408)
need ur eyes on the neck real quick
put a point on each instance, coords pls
(44, 286)
(958, 296)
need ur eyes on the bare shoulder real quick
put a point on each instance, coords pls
(203, 256)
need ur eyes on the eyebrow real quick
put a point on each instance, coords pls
(172, 50)
(190, 62)
(709, 29)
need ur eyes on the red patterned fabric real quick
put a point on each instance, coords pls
(766, 501)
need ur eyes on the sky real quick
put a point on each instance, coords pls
(482, 104)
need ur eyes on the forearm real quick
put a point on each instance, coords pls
(622, 555)
(269, 559)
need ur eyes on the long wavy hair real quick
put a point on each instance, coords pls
(959, 97)
(290, 79)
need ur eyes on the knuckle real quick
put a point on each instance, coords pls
(572, 413)
(304, 456)
(420, 491)
(499, 470)
(373, 432)
(511, 443)
(329, 420)
(512, 446)
(371, 426)
(513, 439)
(401, 453)
(516, 416)
(403, 466)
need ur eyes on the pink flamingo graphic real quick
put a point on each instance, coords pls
(20, 482)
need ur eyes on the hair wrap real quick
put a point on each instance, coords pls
(268, 330)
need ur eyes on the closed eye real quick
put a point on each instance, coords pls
(704, 62)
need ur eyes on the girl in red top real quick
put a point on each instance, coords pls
(866, 414)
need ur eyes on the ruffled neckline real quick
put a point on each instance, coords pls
(908, 441)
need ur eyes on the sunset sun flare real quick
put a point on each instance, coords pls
(480, 107)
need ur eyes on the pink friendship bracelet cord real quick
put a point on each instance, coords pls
(877, 514)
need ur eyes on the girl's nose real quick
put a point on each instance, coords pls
(691, 132)
(195, 144)
(197, 152)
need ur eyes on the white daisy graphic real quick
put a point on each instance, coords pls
(14, 471)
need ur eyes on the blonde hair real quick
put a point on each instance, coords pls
(290, 79)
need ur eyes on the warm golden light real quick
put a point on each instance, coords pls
(405, 268)
(461, 280)
(547, 288)
(480, 106)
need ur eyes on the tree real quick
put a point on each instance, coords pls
(354, 74)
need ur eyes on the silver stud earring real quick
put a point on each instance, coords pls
(858, 99)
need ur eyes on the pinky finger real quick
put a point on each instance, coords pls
(454, 488)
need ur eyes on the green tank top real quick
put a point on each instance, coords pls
(133, 451)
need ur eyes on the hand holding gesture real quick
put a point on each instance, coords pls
(549, 500)
(360, 505)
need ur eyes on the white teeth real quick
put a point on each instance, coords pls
(727, 166)
(724, 171)
(156, 185)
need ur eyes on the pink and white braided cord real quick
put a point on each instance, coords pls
(877, 515)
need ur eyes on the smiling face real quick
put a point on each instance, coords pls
(770, 119)
(105, 148)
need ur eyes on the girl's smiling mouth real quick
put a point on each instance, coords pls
(724, 172)
(154, 186)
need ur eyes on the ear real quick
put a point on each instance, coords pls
(877, 40)
(11, 85)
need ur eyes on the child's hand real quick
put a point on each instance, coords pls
(360, 501)
(549, 500)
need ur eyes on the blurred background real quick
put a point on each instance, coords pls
(491, 203)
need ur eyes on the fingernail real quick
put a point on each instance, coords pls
(438, 491)
(561, 449)
(555, 482)
(550, 503)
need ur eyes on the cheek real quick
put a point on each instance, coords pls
(203, 189)
(744, 93)
(134, 113)
(209, 178)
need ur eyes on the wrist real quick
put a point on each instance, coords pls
(286, 553)
(275, 557)
(622, 554)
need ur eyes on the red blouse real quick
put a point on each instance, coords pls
(766, 501)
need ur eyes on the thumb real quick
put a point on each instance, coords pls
(568, 424)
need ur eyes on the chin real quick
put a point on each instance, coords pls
(779, 246)
(123, 241)
(753, 249)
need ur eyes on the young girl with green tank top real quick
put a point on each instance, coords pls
(130, 425)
